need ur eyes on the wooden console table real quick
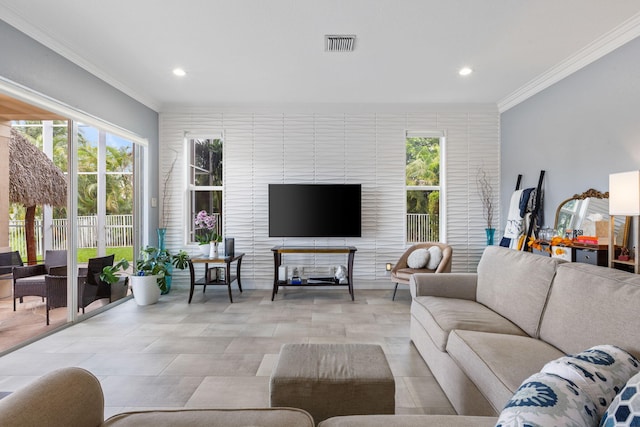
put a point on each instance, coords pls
(277, 261)
(227, 260)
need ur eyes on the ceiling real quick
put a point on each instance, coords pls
(248, 52)
(12, 109)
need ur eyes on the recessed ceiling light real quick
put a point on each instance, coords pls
(179, 72)
(465, 71)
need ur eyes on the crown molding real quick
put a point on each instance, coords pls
(15, 20)
(622, 34)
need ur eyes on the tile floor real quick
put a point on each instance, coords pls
(211, 353)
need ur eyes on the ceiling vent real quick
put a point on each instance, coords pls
(339, 43)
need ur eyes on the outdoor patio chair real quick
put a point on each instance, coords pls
(28, 280)
(91, 288)
(56, 288)
(8, 260)
(401, 272)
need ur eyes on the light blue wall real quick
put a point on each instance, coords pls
(579, 130)
(29, 63)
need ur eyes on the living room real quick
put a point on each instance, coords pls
(573, 118)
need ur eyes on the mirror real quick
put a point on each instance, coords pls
(575, 213)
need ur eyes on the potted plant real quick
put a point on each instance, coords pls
(206, 234)
(119, 284)
(151, 272)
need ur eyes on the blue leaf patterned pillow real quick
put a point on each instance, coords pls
(600, 371)
(624, 411)
(548, 400)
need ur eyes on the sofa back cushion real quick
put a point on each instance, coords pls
(515, 284)
(591, 305)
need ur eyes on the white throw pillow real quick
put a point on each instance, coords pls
(435, 256)
(418, 258)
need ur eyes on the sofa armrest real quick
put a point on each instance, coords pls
(450, 285)
(62, 398)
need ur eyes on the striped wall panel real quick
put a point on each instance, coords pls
(364, 148)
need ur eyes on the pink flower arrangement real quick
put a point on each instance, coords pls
(204, 221)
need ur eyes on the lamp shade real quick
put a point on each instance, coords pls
(624, 193)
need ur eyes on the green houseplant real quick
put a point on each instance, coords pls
(154, 262)
(152, 269)
(119, 284)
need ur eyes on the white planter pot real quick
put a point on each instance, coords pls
(145, 289)
(204, 249)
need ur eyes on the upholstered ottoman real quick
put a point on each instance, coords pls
(333, 379)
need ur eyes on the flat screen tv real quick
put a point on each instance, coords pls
(315, 210)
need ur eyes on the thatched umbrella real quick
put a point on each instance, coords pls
(33, 180)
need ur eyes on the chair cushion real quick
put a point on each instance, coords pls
(30, 280)
(418, 258)
(600, 371)
(625, 408)
(404, 274)
(548, 400)
(435, 256)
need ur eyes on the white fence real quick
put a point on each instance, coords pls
(118, 233)
(422, 228)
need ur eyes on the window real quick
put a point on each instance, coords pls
(206, 184)
(423, 154)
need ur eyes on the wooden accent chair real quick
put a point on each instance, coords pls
(401, 273)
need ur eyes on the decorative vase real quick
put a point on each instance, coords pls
(490, 233)
(204, 249)
(161, 242)
(161, 236)
(213, 250)
(145, 289)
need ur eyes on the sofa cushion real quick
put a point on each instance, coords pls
(439, 316)
(590, 305)
(408, 421)
(418, 258)
(498, 363)
(625, 408)
(267, 417)
(515, 284)
(548, 400)
(600, 371)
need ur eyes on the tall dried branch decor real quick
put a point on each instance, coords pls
(166, 194)
(485, 190)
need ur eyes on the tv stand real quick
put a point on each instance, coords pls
(318, 281)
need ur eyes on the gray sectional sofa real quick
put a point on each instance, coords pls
(481, 334)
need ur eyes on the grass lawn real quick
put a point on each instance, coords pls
(120, 252)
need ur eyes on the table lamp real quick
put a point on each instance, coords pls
(624, 193)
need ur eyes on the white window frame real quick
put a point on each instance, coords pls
(190, 188)
(442, 220)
